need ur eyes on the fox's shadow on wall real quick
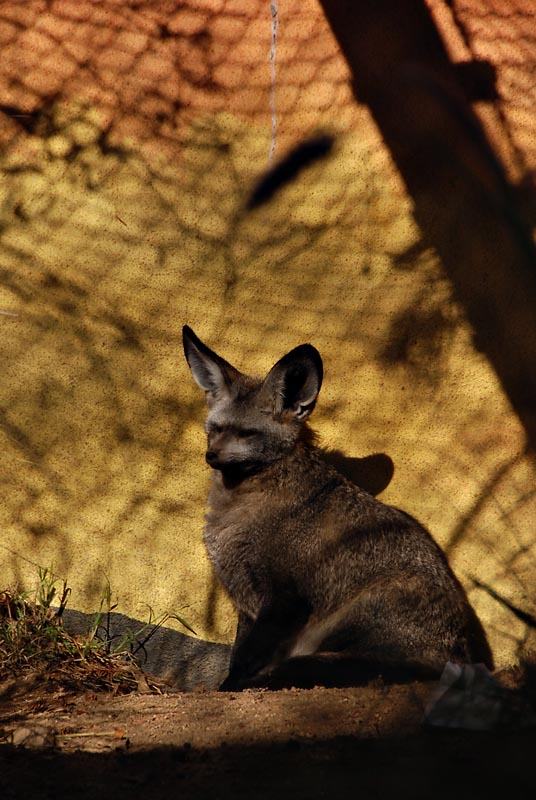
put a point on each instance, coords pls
(372, 473)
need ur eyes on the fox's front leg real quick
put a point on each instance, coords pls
(263, 643)
(255, 648)
(243, 629)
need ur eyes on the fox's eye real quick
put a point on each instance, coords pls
(246, 433)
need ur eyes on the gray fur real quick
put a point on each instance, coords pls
(321, 573)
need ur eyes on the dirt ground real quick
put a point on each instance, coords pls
(370, 742)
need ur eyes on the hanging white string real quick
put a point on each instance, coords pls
(274, 11)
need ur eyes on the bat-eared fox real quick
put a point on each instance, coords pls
(331, 586)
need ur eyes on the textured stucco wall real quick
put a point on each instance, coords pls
(131, 134)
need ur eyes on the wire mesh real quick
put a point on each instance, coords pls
(132, 134)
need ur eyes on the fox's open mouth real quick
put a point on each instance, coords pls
(237, 466)
(221, 465)
(236, 471)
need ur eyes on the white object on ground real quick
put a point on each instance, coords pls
(469, 697)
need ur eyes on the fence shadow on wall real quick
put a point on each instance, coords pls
(123, 217)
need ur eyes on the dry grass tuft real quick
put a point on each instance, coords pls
(35, 646)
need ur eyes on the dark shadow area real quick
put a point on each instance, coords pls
(430, 764)
(463, 202)
(332, 671)
(418, 339)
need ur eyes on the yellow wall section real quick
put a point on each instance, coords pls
(108, 246)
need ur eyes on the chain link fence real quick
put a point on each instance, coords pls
(131, 136)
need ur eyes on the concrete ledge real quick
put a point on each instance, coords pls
(183, 661)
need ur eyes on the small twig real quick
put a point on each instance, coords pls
(114, 734)
(274, 14)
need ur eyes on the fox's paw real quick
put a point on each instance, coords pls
(237, 684)
(229, 685)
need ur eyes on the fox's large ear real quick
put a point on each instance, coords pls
(211, 372)
(294, 382)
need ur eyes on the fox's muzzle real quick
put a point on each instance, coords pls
(212, 459)
(215, 460)
(233, 469)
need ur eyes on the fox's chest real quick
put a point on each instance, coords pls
(242, 552)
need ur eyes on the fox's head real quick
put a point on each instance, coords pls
(252, 422)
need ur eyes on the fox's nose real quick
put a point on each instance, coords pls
(211, 457)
